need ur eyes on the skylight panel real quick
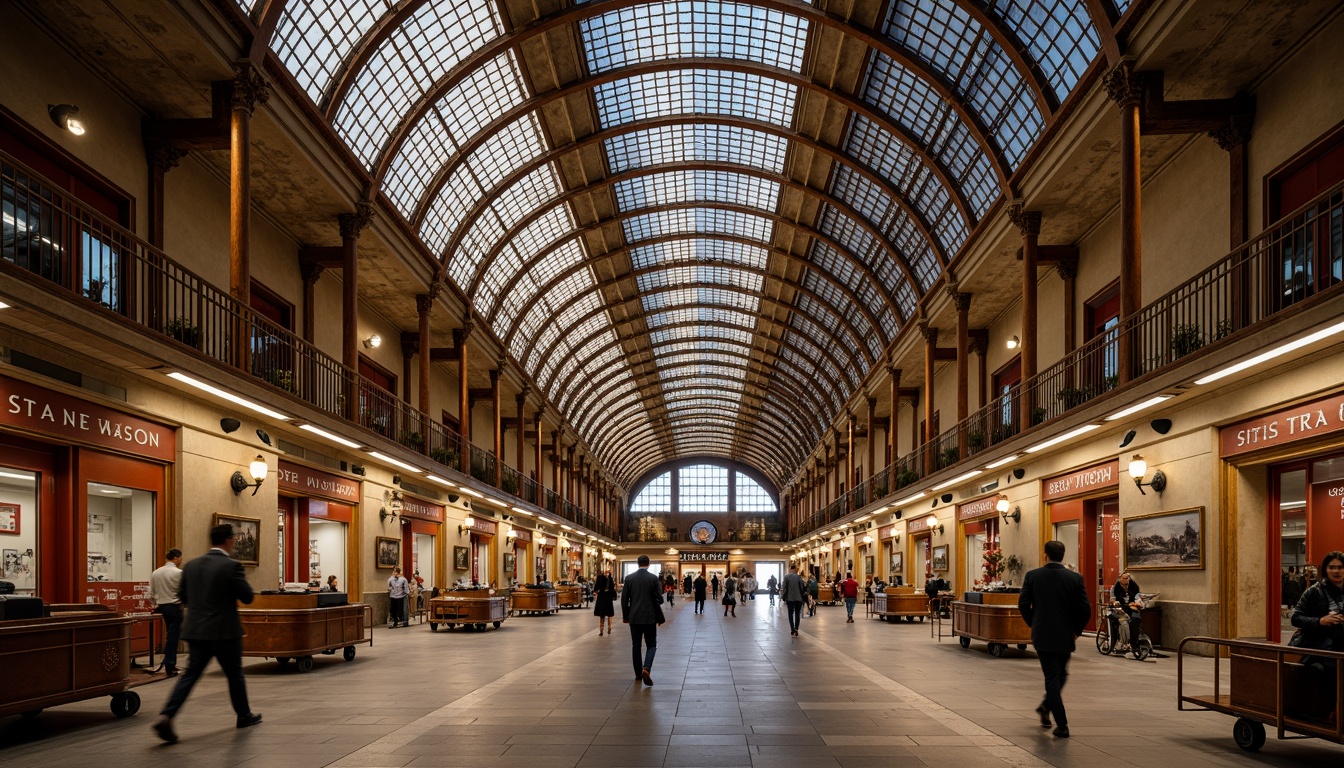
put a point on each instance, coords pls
(695, 92)
(454, 199)
(683, 296)
(700, 315)
(687, 28)
(1059, 36)
(698, 250)
(544, 231)
(512, 302)
(741, 336)
(406, 65)
(505, 265)
(704, 370)
(699, 275)
(507, 150)
(315, 37)
(703, 221)
(699, 142)
(700, 359)
(427, 149)
(696, 186)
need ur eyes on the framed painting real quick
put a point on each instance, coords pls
(387, 552)
(940, 558)
(461, 558)
(9, 519)
(508, 562)
(246, 534)
(897, 563)
(1165, 540)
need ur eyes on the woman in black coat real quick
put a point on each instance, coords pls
(1320, 612)
(604, 596)
(699, 586)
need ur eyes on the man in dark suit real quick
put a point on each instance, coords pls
(641, 594)
(1054, 602)
(212, 586)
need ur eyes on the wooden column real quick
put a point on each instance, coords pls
(962, 301)
(849, 454)
(1068, 272)
(311, 272)
(162, 157)
(555, 464)
(872, 439)
(424, 307)
(569, 473)
(249, 90)
(895, 404)
(409, 347)
(351, 224)
(930, 357)
(497, 414)
(1233, 139)
(521, 402)
(1125, 88)
(1029, 224)
(979, 346)
(460, 338)
(540, 468)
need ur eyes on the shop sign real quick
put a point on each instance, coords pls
(918, 525)
(1313, 419)
(522, 535)
(886, 533)
(545, 541)
(50, 413)
(486, 527)
(576, 546)
(1079, 481)
(305, 481)
(973, 509)
(421, 510)
(687, 557)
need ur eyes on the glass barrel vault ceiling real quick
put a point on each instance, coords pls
(694, 103)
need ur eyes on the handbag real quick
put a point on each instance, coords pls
(1296, 640)
(658, 610)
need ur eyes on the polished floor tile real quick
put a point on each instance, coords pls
(548, 691)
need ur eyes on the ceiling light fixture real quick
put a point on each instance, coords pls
(1282, 349)
(395, 462)
(324, 434)
(66, 116)
(225, 395)
(1133, 409)
(909, 499)
(1001, 462)
(1062, 438)
(958, 479)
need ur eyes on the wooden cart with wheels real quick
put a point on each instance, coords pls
(994, 620)
(1268, 684)
(292, 627)
(569, 596)
(826, 594)
(896, 603)
(468, 612)
(68, 658)
(536, 602)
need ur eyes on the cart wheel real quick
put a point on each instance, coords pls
(965, 642)
(128, 703)
(1248, 734)
(1021, 646)
(349, 653)
(433, 626)
(996, 649)
(1143, 649)
(497, 623)
(1103, 643)
(481, 627)
(32, 713)
(305, 663)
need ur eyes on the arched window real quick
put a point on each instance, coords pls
(734, 501)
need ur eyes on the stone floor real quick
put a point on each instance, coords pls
(547, 691)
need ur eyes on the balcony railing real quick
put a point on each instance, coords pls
(51, 235)
(1298, 259)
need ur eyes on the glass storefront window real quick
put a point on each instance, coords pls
(326, 551)
(422, 558)
(18, 529)
(120, 534)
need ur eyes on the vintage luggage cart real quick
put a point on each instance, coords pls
(297, 626)
(1267, 684)
(470, 612)
(537, 602)
(64, 659)
(990, 617)
(570, 596)
(895, 603)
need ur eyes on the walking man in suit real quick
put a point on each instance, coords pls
(641, 594)
(212, 586)
(1054, 602)
(792, 593)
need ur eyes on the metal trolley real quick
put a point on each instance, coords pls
(1267, 684)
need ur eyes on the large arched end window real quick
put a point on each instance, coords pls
(737, 500)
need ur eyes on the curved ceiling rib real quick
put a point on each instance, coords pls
(627, 462)
(782, 428)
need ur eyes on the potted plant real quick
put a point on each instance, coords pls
(905, 477)
(1038, 415)
(413, 439)
(184, 331)
(282, 379)
(948, 457)
(975, 441)
(1186, 339)
(509, 484)
(446, 456)
(1072, 397)
(1003, 432)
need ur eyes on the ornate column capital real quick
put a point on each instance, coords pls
(1236, 132)
(962, 301)
(424, 303)
(979, 344)
(410, 344)
(1027, 222)
(353, 223)
(521, 397)
(929, 332)
(311, 271)
(536, 417)
(249, 86)
(162, 154)
(1067, 268)
(1123, 85)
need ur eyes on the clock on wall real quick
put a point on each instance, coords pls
(704, 532)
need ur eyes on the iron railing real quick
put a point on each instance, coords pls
(51, 235)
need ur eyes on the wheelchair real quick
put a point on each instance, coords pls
(1140, 647)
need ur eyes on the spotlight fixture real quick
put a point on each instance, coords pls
(947, 498)
(229, 425)
(357, 469)
(66, 116)
(1128, 438)
(1160, 426)
(373, 342)
(257, 469)
(897, 515)
(1019, 473)
(1138, 468)
(1013, 343)
(263, 437)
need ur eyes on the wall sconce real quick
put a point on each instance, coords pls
(466, 525)
(844, 544)
(1138, 468)
(373, 342)
(1013, 343)
(1001, 506)
(66, 116)
(383, 514)
(257, 469)
(932, 522)
(511, 535)
(867, 541)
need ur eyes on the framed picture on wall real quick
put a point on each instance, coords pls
(387, 552)
(940, 557)
(1165, 540)
(508, 562)
(897, 563)
(461, 558)
(868, 564)
(9, 519)
(246, 532)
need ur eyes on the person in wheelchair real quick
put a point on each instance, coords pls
(1125, 603)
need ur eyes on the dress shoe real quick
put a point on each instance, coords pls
(644, 675)
(1045, 716)
(251, 718)
(1061, 732)
(170, 672)
(164, 728)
